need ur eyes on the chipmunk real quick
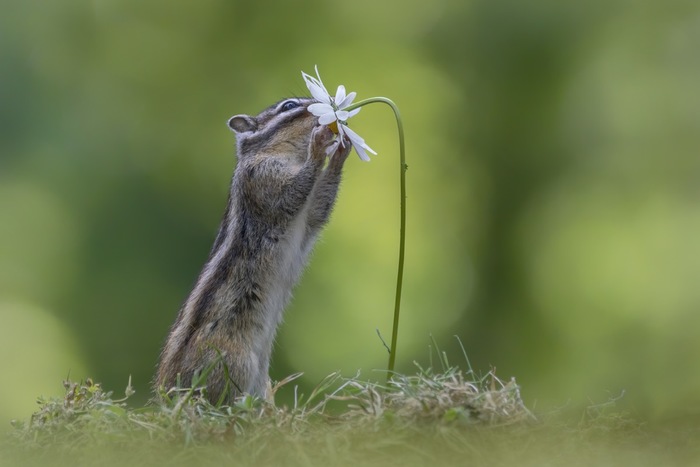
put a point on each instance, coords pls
(280, 197)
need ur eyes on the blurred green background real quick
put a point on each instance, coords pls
(553, 187)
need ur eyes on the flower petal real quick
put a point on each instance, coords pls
(361, 153)
(342, 115)
(325, 119)
(319, 93)
(341, 134)
(320, 82)
(316, 88)
(319, 109)
(339, 95)
(332, 147)
(358, 142)
(354, 137)
(306, 77)
(352, 113)
(346, 101)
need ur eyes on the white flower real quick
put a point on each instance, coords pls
(331, 110)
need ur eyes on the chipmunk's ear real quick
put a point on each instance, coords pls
(242, 123)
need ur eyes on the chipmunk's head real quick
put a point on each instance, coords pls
(282, 129)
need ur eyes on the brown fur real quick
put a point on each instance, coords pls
(280, 197)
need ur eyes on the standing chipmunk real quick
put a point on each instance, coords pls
(280, 197)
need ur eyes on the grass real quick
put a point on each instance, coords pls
(445, 417)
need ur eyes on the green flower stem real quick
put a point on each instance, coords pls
(402, 238)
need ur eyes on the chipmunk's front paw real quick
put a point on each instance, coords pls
(321, 139)
(339, 152)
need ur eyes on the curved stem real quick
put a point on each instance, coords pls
(402, 238)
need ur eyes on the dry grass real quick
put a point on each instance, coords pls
(447, 397)
(448, 417)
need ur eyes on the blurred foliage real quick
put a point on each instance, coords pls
(553, 194)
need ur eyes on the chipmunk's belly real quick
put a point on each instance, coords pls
(283, 278)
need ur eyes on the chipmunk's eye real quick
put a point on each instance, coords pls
(289, 105)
